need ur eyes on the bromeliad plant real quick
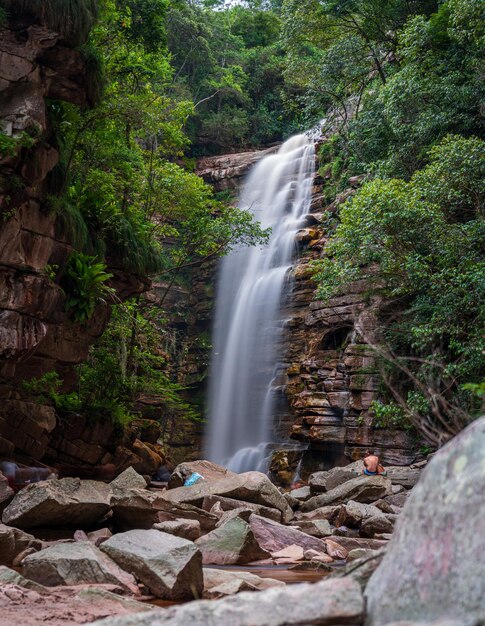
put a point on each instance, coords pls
(84, 283)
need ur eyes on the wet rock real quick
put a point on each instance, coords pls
(219, 582)
(140, 508)
(65, 502)
(230, 544)
(185, 528)
(209, 471)
(252, 487)
(362, 489)
(14, 542)
(272, 536)
(330, 602)
(228, 504)
(321, 482)
(437, 552)
(129, 479)
(169, 566)
(76, 563)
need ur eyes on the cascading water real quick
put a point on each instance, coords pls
(248, 321)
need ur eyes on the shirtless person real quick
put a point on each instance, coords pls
(372, 467)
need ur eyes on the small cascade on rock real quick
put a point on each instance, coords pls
(248, 324)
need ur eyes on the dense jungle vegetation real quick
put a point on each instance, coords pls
(399, 85)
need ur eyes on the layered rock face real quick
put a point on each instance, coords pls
(36, 335)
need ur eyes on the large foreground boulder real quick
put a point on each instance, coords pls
(435, 563)
(361, 489)
(78, 563)
(65, 502)
(252, 487)
(169, 566)
(230, 544)
(326, 603)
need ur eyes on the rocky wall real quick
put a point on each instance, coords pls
(36, 335)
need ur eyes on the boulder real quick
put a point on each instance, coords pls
(230, 544)
(301, 494)
(228, 504)
(405, 476)
(330, 602)
(316, 528)
(98, 536)
(64, 502)
(293, 552)
(353, 513)
(397, 500)
(221, 583)
(169, 566)
(76, 563)
(14, 542)
(129, 479)
(324, 512)
(351, 543)
(11, 577)
(376, 525)
(224, 516)
(185, 528)
(318, 557)
(140, 508)
(6, 492)
(272, 536)
(335, 550)
(433, 567)
(209, 471)
(321, 482)
(252, 487)
(362, 489)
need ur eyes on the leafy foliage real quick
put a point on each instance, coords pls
(84, 283)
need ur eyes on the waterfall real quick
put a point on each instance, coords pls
(248, 324)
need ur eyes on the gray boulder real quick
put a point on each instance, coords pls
(329, 603)
(11, 577)
(129, 479)
(435, 563)
(353, 513)
(219, 583)
(252, 487)
(377, 525)
(169, 566)
(14, 542)
(65, 502)
(6, 492)
(76, 563)
(362, 489)
(231, 543)
(316, 528)
(321, 482)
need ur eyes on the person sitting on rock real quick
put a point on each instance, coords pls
(372, 467)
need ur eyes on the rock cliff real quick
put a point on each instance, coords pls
(36, 335)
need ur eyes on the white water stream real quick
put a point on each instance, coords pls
(248, 322)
